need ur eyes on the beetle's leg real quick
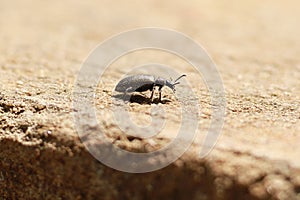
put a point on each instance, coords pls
(159, 89)
(125, 94)
(151, 97)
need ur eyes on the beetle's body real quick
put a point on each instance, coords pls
(138, 83)
(143, 82)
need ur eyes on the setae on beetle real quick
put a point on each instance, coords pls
(143, 82)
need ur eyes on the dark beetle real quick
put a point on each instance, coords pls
(143, 82)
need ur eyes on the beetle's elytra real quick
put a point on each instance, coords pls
(143, 82)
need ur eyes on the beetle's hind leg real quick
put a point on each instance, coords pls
(152, 93)
(125, 95)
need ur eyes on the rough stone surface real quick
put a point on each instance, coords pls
(256, 46)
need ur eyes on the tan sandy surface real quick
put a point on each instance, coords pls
(256, 47)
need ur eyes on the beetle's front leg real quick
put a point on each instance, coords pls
(159, 89)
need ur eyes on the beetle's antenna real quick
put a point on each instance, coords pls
(183, 75)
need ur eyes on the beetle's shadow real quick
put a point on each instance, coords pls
(137, 98)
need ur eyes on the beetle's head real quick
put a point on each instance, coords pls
(171, 84)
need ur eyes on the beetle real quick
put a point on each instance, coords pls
(144, 82)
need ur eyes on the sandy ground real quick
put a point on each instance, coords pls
(256, 48)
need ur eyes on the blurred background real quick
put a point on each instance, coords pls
(229, 30)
